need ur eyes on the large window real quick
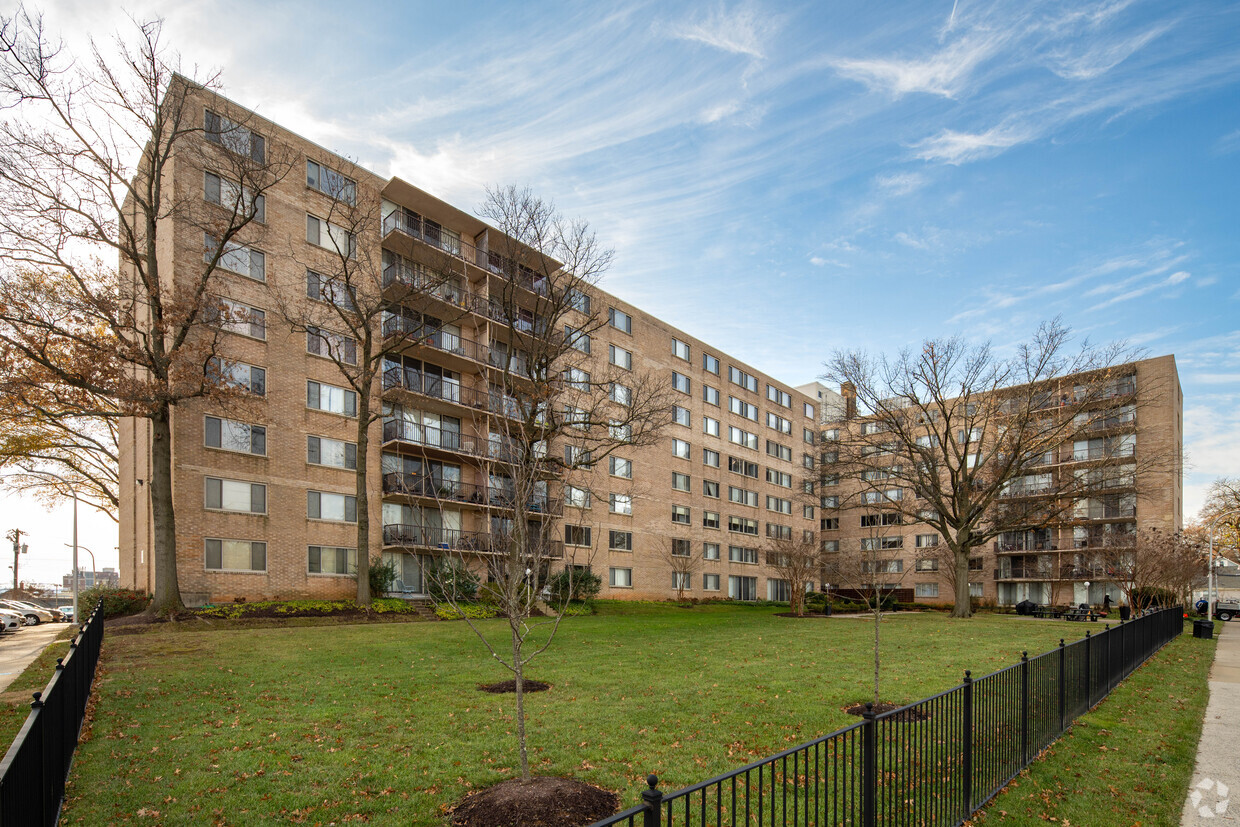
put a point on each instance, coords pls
(237, 317)
(329, 182)
(680, 482)
(742, 408)
(577, 535)
(743, 525)
(324, 505)
(778, 423)
(620, 467)
(779, 478)
(620, 540)
(236, 555)
(620, 578)
(620, 320)
(710, 363)
(575, 497)
(710, 458)
(710, 488)
(228, 194)
(710, 582)
(742, 437)
(742, 588)
(329, 345)
(710, 519)
(577, 339)
(235, 495)
(710, 395)
(926, 590)
(778, 504)
(781, 398)
(680, 350)
(681, 416)
(234, 137)
(742, 554)
(231, 435)
(739, 466)
(249, 378)
(333, 452)
(710, 551)
(620, 357)
(778, 590)
(739, 377)
(680, 514)
(620, 394)
(329, 236)
(710, 427)
(331, 560)
(324, 397)
(774, 449)
(621, 504)
(680, 382)
(742, 496)
(680, 448)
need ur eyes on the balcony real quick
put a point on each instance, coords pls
(396, 430)
(435, 388)
(418, 485)
(450, 539)
(416, 334)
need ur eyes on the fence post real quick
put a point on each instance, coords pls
(1089, 671)
(1110, 658)
(40, 759)
(869, 770)
(966, 760)
(1024, 708)
(653, 799)
(1063, 686)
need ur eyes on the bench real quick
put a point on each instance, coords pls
(1049, 612)
(1082, 616)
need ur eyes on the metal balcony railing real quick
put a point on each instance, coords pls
(417, 434)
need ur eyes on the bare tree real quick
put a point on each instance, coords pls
(88, 157)
(678, 554)
(800, 560)
(945, 563)
(1222, 510)
(554, 413)
(1150, 562)
(975, 445)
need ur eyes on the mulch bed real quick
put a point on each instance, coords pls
(511, 686)
(908, 716)
(543, 801)
(807, 614)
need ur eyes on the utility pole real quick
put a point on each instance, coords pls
(19, 548)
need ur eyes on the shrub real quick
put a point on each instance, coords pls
(382, 575)
(117, 602)
(473, 611)
(447, 579)
(573, 585)
(577, 610)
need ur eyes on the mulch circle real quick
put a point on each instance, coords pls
(908, 716)
(543, 801)
(511, 686)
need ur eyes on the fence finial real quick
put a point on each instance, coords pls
(1061, 641)
(652, 780)
(1024, 655)
(968, 676)
(37, 702)
(60, 664)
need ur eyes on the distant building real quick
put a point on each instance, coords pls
(89, 579)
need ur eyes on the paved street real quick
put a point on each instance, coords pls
(1215, 776)
(18, 648)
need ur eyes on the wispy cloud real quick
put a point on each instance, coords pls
(744, 29)
(952, 147)
(901, 183)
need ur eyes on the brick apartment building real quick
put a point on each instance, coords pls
(264, 492)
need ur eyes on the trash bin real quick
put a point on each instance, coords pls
(1203, 629)
(1125, 613)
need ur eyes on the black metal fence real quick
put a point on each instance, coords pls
(933, 762)
(33, 772)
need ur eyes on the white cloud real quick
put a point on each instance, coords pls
(901, 183)
(742, 30)
(952, 147)
(944, 73)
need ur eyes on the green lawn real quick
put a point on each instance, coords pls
(15, 700)
(384, 722)
(1129, 761)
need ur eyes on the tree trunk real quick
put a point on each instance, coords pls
(518, 671)
(363, 500)
(963, 607)
(167, 596)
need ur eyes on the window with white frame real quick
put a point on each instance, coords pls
(235, 555)
(680, 482)
(680, 514)
(237, 317)
(710, 427)
(681, 416)
(926, 590)
(619, 467)
(241, 200)
(331, 560)
(328, 236)
(621, 503)
(710, 551)
(680, 382)
(620, 320)
(710, 395)
(620, 357)
(331, 183)
(575, 497)
(249, 378)
(235, 495)
(620, 578)
(710, 458)
(231, 435)
(680, 350)
(335, 453)
(325, 505)
(680, 448)
(329, 398)
(710, 582)
(710, 364)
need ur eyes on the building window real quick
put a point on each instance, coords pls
(680, 350)
(236, 555)
(234, 137)
(927, 540)
(742, 496)
(681, 547)
(742, 554)
(710, 488)
(333, 452)
(809, 410)
(778, 504)
(739, 377)
(829, 524)
(975, 590)
(710, 395)
(228, 194)
(681, 416)
(680, 448)
(620, 357)
(236, 317)
(710, 427)
(875, 520)
(739, 466)
(620, 320)
(807, 511)
(680, 482)
(778, 423)
(710, 551)
(780, 478)
(710, 458)
(620, 467)
(781, 398)
(741, 437)
(778, 532)
(331, 560)
(710, 519)
(620, 578)
(621, 504)
(830, 545)
(742, 408)
(248, 378)
(710, 582)
(680, 382)
(575, 497)
(742, 525)
(330, 237)
(710, 363)
(619, 431)
(323, 505)
(927, 590)
(230, 435)
(881, 543)
(576, 339)
(577, 535)
(742, 588)
(680, 514)
(620, 394)
(332, 346)
(831, 435)
(682, 580)
(774, 449)
(778, 590)
(236, 495)
(927, 564)
(324, 397)
(329, 182)
(620, 540)
(576, 300)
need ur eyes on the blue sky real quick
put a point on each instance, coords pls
(783, 180)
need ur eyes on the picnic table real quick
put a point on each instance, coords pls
(1050, 611)
(1083, 614)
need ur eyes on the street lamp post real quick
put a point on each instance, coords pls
(94, 567)
(1210, 575)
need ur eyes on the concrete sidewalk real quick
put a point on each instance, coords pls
(1216, 776)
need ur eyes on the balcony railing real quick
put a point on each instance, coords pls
(418, 334)
(431, 437)
(418, 485)
(435, 388)
(451, 539)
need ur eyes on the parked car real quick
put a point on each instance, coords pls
(11, 621)
(1226, 609)
(34, 614)
(67, 611)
